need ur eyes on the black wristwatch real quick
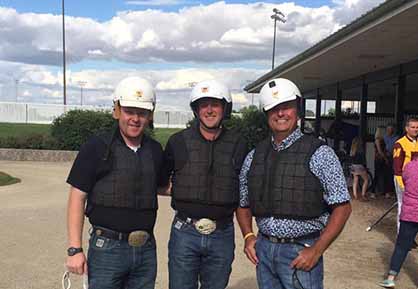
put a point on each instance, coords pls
(72, 251)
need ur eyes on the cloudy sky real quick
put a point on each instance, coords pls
(172, 43)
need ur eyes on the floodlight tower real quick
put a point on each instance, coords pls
(277, 16)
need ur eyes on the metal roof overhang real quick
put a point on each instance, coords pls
(382, 38)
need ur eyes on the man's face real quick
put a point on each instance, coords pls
(133, 121)
(283, 118)
(210, 112)
(412, 129)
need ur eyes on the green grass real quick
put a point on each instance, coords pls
(21, 129)
(162, 134)
(6, 179)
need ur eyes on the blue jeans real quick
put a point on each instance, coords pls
(274, 271)
(114, 264)
(195, 258)
(404, 241)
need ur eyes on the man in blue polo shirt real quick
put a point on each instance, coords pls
(294, 185)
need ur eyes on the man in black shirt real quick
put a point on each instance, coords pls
(204, 162)
(117, 174)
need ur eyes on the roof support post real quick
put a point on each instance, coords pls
(399, 102)
(318, 113)
(363, 111)
(338, 96)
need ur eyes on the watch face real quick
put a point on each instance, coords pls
(72, 251)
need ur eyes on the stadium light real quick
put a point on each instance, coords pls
(277, 16)
(17, 88)
(82, 84)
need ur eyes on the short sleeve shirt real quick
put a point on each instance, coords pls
(87, 169)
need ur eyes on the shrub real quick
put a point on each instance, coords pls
(253, 125)
(74, 127)
(251, 122)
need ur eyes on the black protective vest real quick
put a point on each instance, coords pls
(281, 184)
(131, 180)
(208, 175)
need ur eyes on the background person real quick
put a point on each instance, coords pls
(323, 135)
(403, 151)
(204, 161)
(358, 168)
(382, 169)
(288, 183)
(390, 138)
(408, 222)
(117, 174)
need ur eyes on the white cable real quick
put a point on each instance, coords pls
(85, 281)
(66, 282)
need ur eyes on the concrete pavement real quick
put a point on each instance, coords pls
(33, 238)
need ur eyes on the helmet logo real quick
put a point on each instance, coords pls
(138, 94)
(205, 89)
(275, 94)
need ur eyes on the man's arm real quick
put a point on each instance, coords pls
(309, 256)
(245, 221)
(243, 213)
(326, 167)
(167, 169)
(75, 222)
(398, 160)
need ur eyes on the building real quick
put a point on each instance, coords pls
(365, 74)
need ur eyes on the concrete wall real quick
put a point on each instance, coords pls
(37, 155)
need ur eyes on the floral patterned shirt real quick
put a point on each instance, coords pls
(324, 164)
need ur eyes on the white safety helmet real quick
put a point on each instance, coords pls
(211, 89)
(135, 92)
(277, 91)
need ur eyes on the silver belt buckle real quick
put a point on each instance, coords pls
(205, 226)
(138, 238)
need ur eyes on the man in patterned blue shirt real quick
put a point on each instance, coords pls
(293, 184)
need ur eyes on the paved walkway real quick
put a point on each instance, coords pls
(33, 238)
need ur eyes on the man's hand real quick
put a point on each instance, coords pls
(249, 249)
(77, 264)
(307, 259)
(309, 256)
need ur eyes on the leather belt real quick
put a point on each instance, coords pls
(291, 240)
(220, 224)
(134, 238)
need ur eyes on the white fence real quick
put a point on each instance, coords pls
(46, 113)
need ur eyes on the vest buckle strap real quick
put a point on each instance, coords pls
(205, 226)
(138, 238)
